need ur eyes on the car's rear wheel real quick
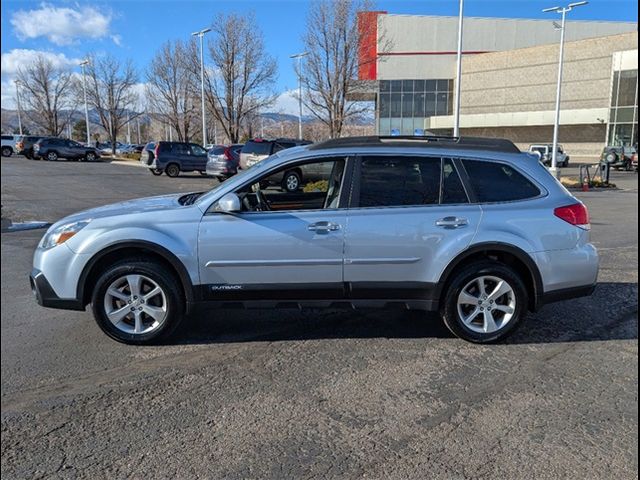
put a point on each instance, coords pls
(291, 181)
(484, 302)
(6, 151)
(156, 171)
(172, 170)
(90, 157)
(138, 302)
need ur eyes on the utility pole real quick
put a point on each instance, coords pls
(456, 122)
(556, 125)
(201, 34)
(18, 105)
(86, 107)
(299, 56)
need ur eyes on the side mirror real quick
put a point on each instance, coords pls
(229, 203)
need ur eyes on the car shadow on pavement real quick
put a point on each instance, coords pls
(609, 314)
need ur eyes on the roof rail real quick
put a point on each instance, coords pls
(471, 143)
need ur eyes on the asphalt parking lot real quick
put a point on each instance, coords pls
(312, 394)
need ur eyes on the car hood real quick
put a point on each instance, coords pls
(140, 205)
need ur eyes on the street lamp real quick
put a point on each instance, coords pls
(299, 57)
(556, 126)
(204, 118)
(456, 121)
(86, 107)
(17, 82)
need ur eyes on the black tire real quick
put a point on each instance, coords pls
(7, 151)
(628, 166)
(156, 171)
(611, 157)
(172, 170)
(90, 157)
(204, 174)
(291, 181)
(159, 274)
(450, 312)
(52, 156)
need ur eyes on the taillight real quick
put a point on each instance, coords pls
(156, 150)
(227, 153)
(576, 214)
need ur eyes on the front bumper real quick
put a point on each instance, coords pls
(46, 297)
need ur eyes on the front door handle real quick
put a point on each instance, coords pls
(323, 227)
(452, 222)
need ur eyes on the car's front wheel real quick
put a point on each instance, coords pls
(138, 302)
(484, 302)
(52, 156)
(6, 151)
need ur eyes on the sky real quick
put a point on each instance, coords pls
(134, 29)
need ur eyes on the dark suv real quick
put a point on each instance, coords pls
(258, 149)
(53, 148)
(618, 157)
(173, 158)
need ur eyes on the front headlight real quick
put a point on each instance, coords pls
(62, 233)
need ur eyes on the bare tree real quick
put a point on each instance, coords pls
(330, 69)
(240, 82)
(171, 89)
(46, 90)
(111, 91)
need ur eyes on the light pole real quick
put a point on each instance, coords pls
(299, 57)
(204, 118)
(556, 126)
(18, 105)
(86, 107)
(456, 121)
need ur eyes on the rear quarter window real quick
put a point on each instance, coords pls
(498, 182)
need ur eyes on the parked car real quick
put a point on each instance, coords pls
(8, 144)
(618, 157)
(223, 161)
(545, 151)
(258, 149)
(53, 148)
(634, 160)
(25, 143)
(174, 157)
(471, 228)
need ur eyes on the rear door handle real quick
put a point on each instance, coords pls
(452, 222)
(323, 227)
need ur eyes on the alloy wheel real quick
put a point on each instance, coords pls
(135, 304)
(486, 304)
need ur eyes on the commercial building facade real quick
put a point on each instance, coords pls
(508, 79)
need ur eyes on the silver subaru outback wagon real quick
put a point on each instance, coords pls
(467, 227)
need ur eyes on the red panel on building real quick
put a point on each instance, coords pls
(368, 47)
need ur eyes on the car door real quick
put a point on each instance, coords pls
(292, 251)
(198, 157)
(182, 154)
(409, 217)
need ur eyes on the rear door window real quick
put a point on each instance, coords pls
(453, 191)
(399, 181)
(498, 182)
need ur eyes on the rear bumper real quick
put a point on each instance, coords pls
(566, 294)
(46, 297)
